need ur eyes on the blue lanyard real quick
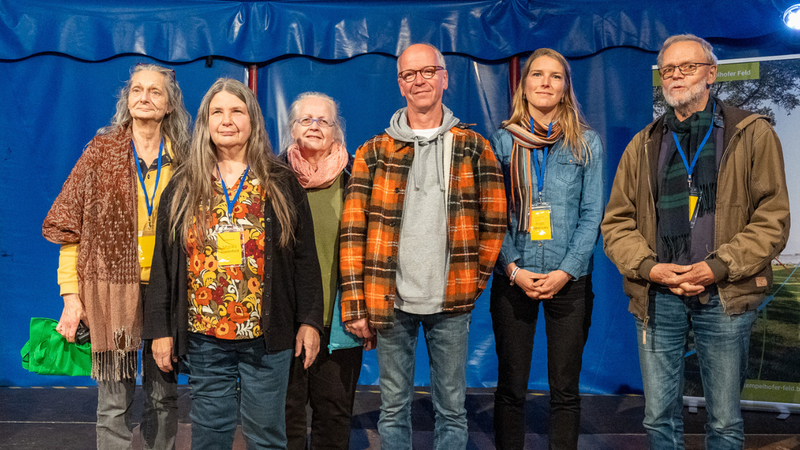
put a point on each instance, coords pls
(147, 200)
(228, 200)
(690, 169)
(536, 167)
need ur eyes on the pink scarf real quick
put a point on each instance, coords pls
(328, 168)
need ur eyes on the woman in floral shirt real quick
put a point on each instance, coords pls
(235, 267)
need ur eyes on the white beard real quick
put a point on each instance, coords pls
(687, 105)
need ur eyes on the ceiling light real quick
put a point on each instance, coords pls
(791, 17)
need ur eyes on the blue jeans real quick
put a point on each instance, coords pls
(446, 336)
(722, 343)
(236, 376)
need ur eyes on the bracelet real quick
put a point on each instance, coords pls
(514, 274)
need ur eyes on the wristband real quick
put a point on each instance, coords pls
(514, 274)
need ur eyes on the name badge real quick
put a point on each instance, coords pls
(147, 243)
(541, 222)
(694, 200)
(229, 247)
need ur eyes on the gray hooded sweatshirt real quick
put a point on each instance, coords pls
(423, 255)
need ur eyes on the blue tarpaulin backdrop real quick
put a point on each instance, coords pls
(62, 64)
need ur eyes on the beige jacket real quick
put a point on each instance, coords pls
(752, 212)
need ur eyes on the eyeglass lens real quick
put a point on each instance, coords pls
(427, 72)
(685, 69)
(307, 121)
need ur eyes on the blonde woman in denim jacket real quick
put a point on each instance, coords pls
(554, 189)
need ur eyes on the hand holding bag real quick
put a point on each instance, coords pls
(49, 353)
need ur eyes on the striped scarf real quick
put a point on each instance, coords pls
(674, 230)
(522, 190)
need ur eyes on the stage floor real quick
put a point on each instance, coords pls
(64, 419)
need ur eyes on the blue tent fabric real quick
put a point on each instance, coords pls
(179, 31)
(64, 62)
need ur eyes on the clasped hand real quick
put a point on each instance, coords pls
(683, 280)
(539, 286)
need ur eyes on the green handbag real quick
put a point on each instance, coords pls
(48, 353)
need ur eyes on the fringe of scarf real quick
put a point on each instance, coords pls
(115, 365)
(120, 364)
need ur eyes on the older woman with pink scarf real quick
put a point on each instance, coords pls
(315, 150)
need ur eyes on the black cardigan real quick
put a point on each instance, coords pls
(292, 283)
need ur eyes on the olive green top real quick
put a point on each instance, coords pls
(327, 205)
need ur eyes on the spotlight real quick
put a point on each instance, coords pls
(791, 17)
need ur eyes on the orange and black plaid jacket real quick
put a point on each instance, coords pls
(373, 210)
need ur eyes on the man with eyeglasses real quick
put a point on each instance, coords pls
(423, 222)
(698, 209)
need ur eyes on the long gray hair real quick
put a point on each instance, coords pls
(294, 114)
(194, 190)
(175, 124)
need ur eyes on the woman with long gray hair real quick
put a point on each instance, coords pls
(315, 150)
(105, 220)
(235, 268)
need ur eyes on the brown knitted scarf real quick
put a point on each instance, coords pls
(97, 208)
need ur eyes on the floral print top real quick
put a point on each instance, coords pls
(225, 302)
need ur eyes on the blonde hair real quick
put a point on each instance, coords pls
(194, 190)
(175, 124)
(569, 116)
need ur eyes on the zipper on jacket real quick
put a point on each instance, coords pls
(652, 206)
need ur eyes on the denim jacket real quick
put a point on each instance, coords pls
(574, 191)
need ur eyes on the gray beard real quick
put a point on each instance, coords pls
(690, 104)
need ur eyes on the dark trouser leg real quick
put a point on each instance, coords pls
(332, 388)
(160, 415)
(296, 399)
(567, 318)
(514, 317)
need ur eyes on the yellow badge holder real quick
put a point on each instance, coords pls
(147, 244)
(694, 201)
(230, 238)
(541, 222)
(229, 247)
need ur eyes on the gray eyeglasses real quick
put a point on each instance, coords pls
(323, 122)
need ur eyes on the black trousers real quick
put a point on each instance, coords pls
(567, 319)
(329, 385)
